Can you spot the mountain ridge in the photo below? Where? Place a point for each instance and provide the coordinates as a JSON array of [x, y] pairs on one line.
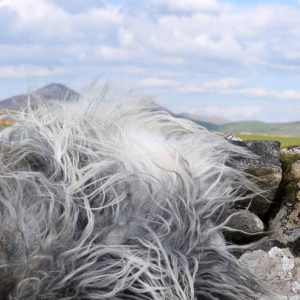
[[50, 92]]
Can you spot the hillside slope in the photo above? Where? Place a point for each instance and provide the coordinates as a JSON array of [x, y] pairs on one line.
[[53, 91], [291, 128]]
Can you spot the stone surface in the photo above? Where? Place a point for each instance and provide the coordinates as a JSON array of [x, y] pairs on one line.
[[295, 170], [284, 225], [278, 268], [232, 137], [293, 150], [248, 227], [265, 168]]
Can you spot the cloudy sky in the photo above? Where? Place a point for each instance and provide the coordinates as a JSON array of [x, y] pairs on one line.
[[236, 59]]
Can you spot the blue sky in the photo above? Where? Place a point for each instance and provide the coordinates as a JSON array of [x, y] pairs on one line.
[[236, 59]]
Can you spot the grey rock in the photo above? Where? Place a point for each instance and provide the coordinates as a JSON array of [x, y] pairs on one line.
[[284, 225], [233, 137], [245, 226], [265, 169], [278, 268], [293, 150], [295, 170], [285, 229]]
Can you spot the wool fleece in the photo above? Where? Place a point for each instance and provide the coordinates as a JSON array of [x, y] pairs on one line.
[[109, 199]]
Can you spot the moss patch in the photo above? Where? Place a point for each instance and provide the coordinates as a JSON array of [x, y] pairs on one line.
[[289, 183], [287, 190]]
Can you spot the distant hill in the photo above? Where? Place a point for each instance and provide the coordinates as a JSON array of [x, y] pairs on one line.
[[291, 128], [51, 92]]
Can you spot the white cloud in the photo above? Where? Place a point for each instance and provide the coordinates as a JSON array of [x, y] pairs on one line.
[[236, 87], [125, 36], [215, 86], [234, 35], [159, 44], [37, 15], [188, 5], [223, 83], [113, 54], [158, 82], [263, 93], [96, 22], [31, 12], [173, 60], [224, 47], [44, 19], [254, 36], [250, 92], [234, 112], [27, 71], [129, 69], [239, 112], [289, 95]]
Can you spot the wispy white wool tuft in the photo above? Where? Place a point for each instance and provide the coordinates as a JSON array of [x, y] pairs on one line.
[[117, 200]]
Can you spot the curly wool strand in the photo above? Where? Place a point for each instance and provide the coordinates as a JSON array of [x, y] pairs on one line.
[[108, 200]]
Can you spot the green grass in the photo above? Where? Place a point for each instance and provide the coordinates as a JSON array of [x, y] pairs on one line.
[[2, 126], [286, 141], [257, 127]]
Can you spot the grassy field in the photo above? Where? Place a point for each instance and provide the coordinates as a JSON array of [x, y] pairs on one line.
[[257, 127], [4, 122], [286, 141]]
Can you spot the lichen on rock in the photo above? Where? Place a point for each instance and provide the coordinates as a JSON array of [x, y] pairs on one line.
[[279, 268]]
